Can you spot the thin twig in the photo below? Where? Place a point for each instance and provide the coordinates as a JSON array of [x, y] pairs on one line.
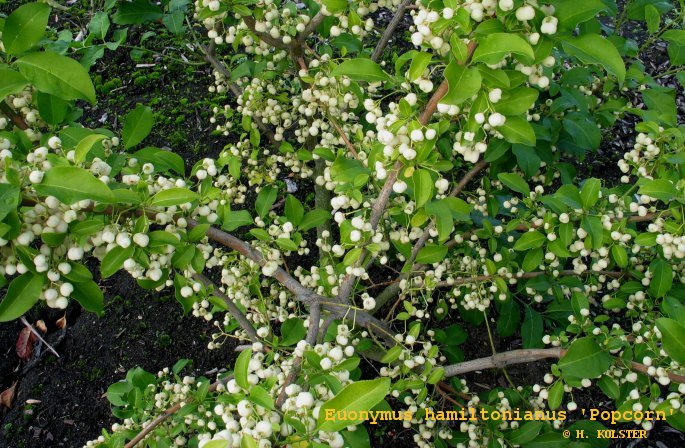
[[522, 356], [37, 334], [168, 413], [244, 323], [390, 29], [16, 118], [265, 37]]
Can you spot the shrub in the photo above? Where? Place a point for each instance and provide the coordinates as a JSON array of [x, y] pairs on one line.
[[442, 187]]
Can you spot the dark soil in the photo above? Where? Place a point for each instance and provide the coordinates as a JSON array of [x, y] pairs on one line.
[[68, 408], [66, 403]]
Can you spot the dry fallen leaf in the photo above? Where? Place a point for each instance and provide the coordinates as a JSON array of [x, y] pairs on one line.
[[41, 326], [25, 343], [61, 322], [7, 396]]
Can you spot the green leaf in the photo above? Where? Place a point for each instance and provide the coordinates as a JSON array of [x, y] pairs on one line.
[[265, 199], [314, 218], [247, 441], [242, 368], [525, 433], [22, 293], [618, 253], [114, 260], [358, 396], [572, 12], [9, 199], [514, 182], [183, 256], [593, 226], [532, 329], [136, 12], [662, 278], [71, 184], [57, 75], [463, 83], [173, 196], [286, 244], [137, 126], [99, 25], [493, 47], [418, 64], [516, 101], [431, 253], [85, 145], [585, 359], [52, 109], [527, 159], [12, 82], [361, 69], [583, 130], [335, 6], [509, 318], [261, 397], [89, 296], [518, 130], [530, 240], [609, 387], [174, 22], [595, 49], [555, 395], [589, 194], [235, 219], [673, 338], [294, 210], [292, 332], [660, 189], [653, 18], [25, 27], [423, 186], [676, 46]]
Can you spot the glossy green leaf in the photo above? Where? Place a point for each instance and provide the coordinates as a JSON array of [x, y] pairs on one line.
[[589, 194], [12, 82], [23, 292], [242, 368], [493, 47], [361, 69], [114, 260], [518, 130], [418, 65], [70, 184], [265, 199], [358, 396], [572, 12], [173, 196], [530, 240], [85, 145], [660, 189], [595, 49], [136, 12], [662, 278], [25, 27], [516, 101], [514, 182], [9, 199], [585, 359], [673, 338], [463, 83], [137, 126], [57, 75], [422, 183]]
